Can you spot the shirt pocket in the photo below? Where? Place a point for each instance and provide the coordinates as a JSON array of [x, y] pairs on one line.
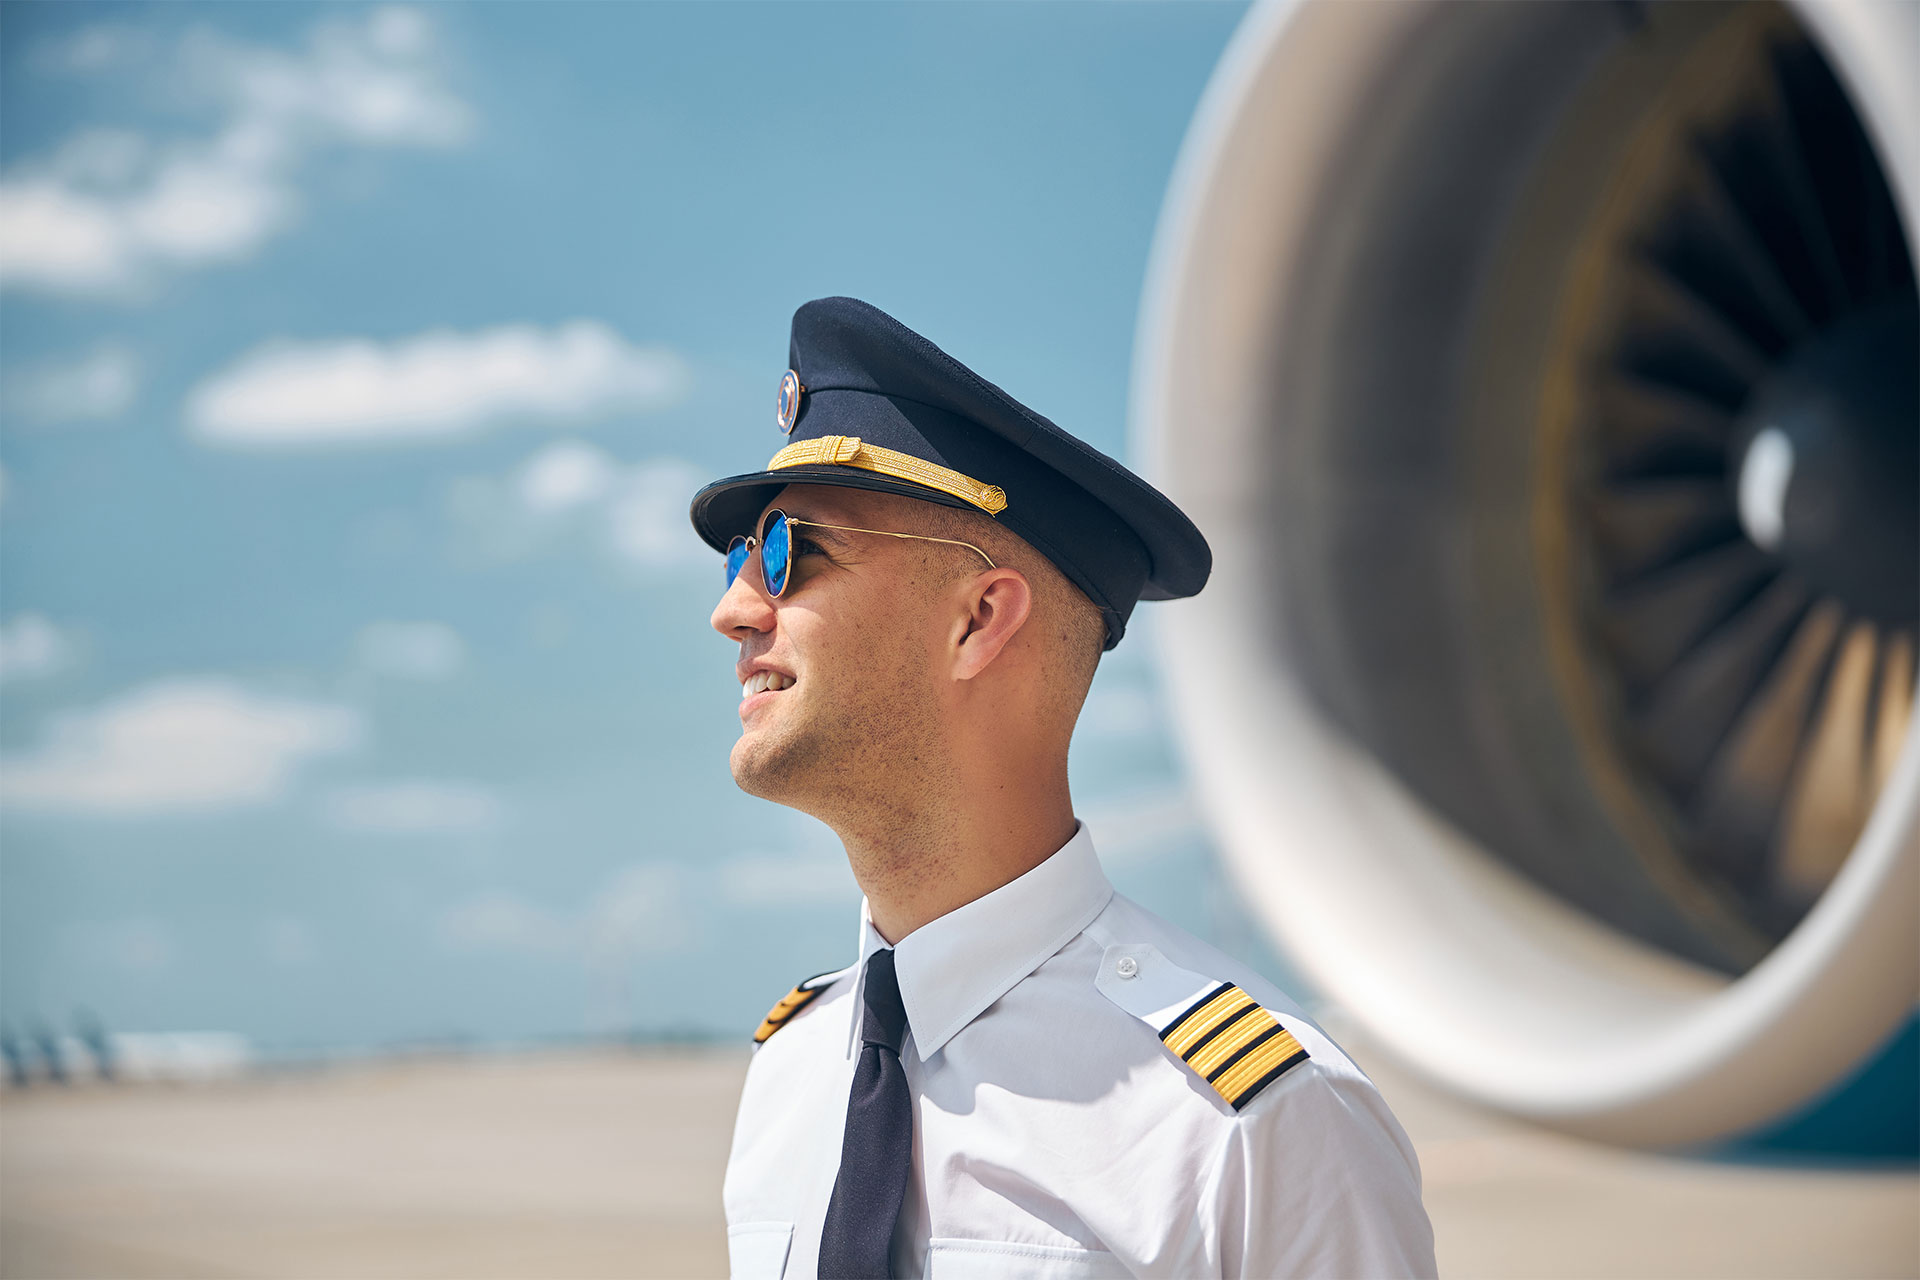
[[994, 1260], [758, 1250]]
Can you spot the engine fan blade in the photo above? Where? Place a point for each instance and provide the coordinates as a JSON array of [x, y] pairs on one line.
[[1894, 709], [1690, 710], [1736, 810], [1654, 427], [1689, 248], [1794, 100], [1828, 800], [1841, 170], [1653, 621], [1678, 305], [1642, 526], [1738, 233]]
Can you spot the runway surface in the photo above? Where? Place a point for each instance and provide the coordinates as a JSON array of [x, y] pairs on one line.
[[609, 1164]]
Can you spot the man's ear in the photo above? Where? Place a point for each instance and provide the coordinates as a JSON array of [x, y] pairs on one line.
[[998, 602]]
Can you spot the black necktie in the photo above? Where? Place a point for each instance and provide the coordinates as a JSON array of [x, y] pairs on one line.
[[878, 1143]]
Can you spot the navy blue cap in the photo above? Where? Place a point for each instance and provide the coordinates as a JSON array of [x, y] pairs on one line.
[[867, 403]]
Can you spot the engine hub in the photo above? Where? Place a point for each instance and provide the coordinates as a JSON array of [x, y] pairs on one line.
[[1827, 474]]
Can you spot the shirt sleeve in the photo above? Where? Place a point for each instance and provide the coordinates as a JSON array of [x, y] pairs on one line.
[[1316, 1178]]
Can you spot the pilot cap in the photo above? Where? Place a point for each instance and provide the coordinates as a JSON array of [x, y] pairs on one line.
[[867, 403]]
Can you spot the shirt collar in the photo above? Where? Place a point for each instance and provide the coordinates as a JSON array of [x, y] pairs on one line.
[[952, 968]]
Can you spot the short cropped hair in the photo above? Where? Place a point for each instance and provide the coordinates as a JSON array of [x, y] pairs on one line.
[[1076, 630]]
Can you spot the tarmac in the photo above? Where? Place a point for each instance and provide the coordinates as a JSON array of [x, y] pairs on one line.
[[609, 1163]]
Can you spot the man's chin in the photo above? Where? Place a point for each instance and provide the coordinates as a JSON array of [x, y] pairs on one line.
[[759, 765]]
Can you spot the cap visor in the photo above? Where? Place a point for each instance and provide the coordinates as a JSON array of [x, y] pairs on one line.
[[731, 507]]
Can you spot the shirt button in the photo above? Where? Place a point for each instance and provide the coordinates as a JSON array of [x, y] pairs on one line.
[[1126, 966]]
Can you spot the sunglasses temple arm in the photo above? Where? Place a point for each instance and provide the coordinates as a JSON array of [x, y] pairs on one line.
[[888, 533]]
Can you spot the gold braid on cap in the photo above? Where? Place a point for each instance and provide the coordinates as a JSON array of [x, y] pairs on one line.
[[848, 451]]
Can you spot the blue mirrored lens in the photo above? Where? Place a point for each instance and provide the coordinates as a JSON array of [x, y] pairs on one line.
[[776, 553], [737, 554]]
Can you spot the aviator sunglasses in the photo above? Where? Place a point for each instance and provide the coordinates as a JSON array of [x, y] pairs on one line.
[[775, 541]]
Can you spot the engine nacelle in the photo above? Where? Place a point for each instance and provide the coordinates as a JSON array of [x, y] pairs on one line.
[[1544, 377]]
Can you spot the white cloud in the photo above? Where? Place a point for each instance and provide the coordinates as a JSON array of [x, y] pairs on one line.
[[647, 515], [173, 746], [411, 650], [635, 512], [435, 385], [32, 646], [641, 908], [373, 82], [779, 880], [414, 806], [564, 476], [109, 213], [100, 384]]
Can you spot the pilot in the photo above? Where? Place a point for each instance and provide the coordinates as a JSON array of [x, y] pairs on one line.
[[1024, 1073]]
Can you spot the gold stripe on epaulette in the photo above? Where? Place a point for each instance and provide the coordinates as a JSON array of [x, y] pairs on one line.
[[791, 1003], [851, 451], [1260, 1068], [1213, 1009], [1237, 1035], [1233, 1044]]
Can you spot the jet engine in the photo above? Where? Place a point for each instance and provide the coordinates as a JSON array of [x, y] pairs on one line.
[[1544, 377]]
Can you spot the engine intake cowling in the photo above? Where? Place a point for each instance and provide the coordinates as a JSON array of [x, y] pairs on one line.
[[1544, 377]]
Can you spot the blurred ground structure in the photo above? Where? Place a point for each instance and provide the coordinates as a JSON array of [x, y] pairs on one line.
[[609, 1164]]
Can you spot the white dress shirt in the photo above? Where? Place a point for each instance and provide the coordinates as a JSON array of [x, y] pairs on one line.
[[1055, 1134]]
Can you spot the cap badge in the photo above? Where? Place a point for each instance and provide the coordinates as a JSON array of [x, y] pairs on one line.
[[789, 409]]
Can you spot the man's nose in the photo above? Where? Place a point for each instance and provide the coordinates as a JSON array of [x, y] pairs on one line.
[[745, 608]]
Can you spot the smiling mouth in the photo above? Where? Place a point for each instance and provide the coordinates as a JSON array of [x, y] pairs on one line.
[[764, 682]]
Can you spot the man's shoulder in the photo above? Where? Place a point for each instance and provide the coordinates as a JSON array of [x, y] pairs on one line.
[[1126, 921], [801, 998], [1216, 1018]]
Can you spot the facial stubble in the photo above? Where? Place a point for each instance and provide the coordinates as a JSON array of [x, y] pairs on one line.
[[844, 740]]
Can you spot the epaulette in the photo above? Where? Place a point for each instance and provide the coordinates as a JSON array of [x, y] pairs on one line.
[[1219, 1031], [793, 1002]]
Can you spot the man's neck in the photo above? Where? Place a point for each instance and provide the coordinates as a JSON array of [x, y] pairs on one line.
[[937, 850]]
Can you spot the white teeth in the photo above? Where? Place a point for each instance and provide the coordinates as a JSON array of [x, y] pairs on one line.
[[761, 681]]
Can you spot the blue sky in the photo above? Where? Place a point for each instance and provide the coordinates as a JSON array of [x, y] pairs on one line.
[[356, 366]]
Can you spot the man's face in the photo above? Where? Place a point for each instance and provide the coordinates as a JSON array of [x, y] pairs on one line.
[[855, 640]]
